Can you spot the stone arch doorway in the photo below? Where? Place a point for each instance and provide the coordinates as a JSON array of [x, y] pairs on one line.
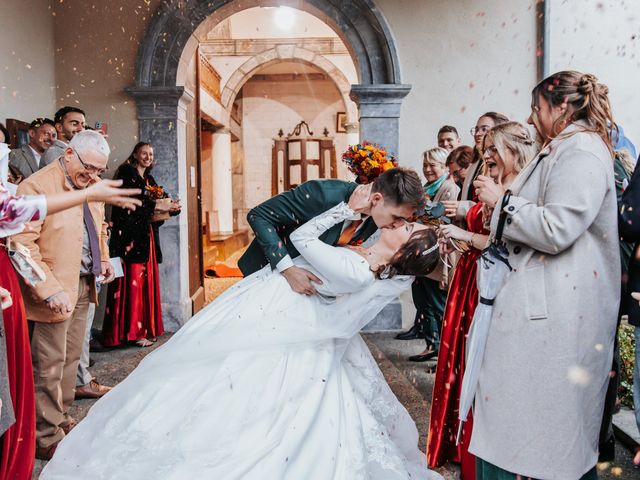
[[301, 55], [164, 111]]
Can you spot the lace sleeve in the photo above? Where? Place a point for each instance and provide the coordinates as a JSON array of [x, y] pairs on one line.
[[334, 264], [15, 211]]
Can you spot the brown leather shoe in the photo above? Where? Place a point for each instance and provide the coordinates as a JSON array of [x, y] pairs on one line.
[[46, 453], [91, 390], [66, 428]]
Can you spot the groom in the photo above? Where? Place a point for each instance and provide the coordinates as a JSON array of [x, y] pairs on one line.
[[393, 197]]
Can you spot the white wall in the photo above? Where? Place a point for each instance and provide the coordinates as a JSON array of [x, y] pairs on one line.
[[277, 22], [269, 106], [27, 67], [603, 38], [462, 58]]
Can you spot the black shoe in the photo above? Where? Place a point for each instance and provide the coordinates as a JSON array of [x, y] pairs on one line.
[[92, 362], [96, 346], [423, 357], [410, 334]]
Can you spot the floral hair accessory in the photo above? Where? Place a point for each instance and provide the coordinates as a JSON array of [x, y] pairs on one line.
[[367, 161]]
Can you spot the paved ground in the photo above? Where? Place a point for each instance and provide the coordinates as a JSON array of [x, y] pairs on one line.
[[411, 382]]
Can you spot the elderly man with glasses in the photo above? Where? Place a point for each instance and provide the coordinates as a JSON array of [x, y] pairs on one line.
[[71, 249]]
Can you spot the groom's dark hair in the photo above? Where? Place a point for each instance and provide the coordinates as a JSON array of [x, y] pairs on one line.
[[400, 186]]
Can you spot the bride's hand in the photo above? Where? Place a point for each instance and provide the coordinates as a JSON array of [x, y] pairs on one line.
[[359, 199], [449, 232]]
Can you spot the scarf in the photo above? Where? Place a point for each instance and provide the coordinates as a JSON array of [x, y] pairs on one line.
[[432, 188]]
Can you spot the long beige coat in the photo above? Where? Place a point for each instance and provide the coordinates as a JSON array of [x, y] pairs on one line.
[[56, 244], [545, 371]]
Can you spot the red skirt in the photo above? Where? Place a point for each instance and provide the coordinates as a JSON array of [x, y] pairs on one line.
[[133, 308], [458, 314], [19, 441]]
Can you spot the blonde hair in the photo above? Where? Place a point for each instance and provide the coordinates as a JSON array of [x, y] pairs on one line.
[[515, 137], [438, 154], [586, 99]]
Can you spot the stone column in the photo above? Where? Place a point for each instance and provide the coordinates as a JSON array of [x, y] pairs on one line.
[[162, 122], [379, 108], [222, 179]]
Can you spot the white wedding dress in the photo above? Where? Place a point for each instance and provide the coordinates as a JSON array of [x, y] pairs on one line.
[[263, 384]]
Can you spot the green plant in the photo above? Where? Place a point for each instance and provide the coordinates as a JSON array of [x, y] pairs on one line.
[[626, 345]]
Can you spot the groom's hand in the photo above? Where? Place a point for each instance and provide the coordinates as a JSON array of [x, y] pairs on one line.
[[301, 280]]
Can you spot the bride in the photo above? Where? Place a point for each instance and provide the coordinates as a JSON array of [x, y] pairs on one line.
[[299, 397]]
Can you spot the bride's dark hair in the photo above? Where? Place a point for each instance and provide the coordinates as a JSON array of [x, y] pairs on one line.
[[413, 258]]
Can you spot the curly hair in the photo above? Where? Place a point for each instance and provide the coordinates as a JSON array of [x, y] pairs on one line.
[[586, 99]]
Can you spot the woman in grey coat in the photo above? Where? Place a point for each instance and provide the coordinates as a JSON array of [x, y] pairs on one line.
[[544, 375]]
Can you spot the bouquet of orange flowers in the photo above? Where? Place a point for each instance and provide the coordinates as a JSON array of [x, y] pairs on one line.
[[162, 199], [367, 161], [156, 192]]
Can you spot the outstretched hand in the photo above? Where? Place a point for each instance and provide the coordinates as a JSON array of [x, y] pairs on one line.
[[301, 280], [107, 191]]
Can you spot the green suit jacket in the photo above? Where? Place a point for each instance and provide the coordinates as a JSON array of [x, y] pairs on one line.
[[273, 221]]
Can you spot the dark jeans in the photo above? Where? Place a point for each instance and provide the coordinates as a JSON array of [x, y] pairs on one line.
[[488, 471], [429, 300]]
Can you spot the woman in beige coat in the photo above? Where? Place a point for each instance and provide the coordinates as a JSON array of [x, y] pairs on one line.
[[545, 371]]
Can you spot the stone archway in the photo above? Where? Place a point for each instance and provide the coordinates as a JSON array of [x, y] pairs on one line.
[[163, 103], [288, 53]]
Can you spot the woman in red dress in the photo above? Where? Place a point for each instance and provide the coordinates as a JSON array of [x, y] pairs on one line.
[[134, 312], [507, 149], [461, 304], [18, 441]]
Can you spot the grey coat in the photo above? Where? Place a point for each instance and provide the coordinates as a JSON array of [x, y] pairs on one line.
[[544, 376], [54, 152], [24, 161]]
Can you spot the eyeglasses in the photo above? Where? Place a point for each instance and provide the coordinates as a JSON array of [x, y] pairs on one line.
[[481, 129], [90, 168], [491, 150]]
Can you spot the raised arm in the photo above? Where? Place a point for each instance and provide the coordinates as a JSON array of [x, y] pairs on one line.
[[339, 267], [288, 209]]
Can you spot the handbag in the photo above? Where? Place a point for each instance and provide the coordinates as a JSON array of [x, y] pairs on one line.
[[23, 263]]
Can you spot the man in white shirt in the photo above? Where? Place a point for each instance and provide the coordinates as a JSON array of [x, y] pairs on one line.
[[27, 159], [68, 121]]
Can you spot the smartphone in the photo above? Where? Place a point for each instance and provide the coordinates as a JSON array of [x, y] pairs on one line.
[[101, 127]]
